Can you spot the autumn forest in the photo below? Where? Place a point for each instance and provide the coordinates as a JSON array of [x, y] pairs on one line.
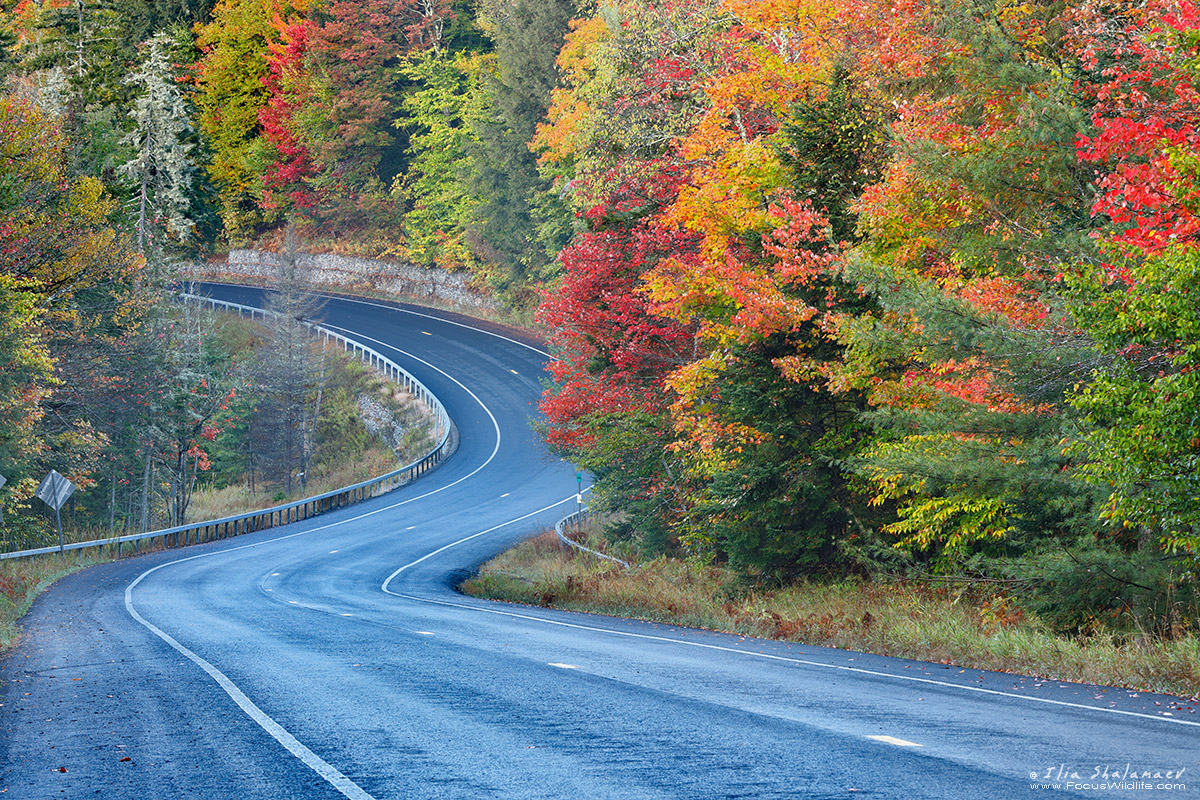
[[848, 287]]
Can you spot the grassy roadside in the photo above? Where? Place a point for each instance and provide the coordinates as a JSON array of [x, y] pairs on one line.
[[943, 624], [237, 499], [23, 579]]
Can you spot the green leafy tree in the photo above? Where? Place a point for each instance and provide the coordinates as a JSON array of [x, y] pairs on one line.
[[783, 504], [1143, 439], [25, 377], [436, 116], [231, 93], [972, 349], [515, 200], [69, 281]]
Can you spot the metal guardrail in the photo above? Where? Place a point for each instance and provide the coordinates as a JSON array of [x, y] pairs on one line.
[[575, 519], [368, 356], [211, 530]]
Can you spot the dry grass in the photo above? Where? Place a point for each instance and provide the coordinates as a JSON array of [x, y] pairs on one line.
[[21, 579], [911, 620], [237, 499]]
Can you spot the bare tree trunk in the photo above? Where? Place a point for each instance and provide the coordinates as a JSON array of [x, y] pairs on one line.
[[79, 40], [290, 372], [141, 226], [177, 481], [251, 460], [310, 426], [1143, 610], [145, 519]]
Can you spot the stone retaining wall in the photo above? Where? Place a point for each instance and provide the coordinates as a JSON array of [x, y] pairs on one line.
[[388, 277]]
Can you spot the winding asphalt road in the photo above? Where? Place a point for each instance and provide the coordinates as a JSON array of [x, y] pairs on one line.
[[332, 659]]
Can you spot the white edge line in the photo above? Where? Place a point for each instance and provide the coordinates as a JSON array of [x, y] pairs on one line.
[[768, 656], [310, 759], [374, 304], [718, 647], [325, 770], [895, 741], [698, 644], [389, 578], [447, 321], [805, 662]]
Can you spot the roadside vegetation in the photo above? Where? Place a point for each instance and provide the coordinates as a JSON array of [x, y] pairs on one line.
[[292, 418], [365, 426], [23, 579], [966, 625], [860, 290]]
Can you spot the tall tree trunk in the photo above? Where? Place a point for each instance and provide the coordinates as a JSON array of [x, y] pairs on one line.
[[1143, 609], [141, 225], [145, 517], [310, 427], [79, 40]]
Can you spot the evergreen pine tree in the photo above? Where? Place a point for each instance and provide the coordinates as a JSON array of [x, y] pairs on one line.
[[516, 199], [161, 168]]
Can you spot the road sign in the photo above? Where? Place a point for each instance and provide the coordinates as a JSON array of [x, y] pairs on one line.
[[3, 480], [54, 491]]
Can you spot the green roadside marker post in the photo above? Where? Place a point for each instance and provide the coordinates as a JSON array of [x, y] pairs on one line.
[[578, 501]]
